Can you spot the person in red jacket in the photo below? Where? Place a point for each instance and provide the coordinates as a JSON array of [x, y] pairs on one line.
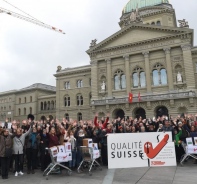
[[104, 125]]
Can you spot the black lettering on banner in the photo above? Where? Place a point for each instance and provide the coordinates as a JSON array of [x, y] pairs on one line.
[[129, 153], [113, 156], [135, 155]]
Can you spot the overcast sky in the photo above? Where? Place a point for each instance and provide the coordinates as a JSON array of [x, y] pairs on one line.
[[30, 54]]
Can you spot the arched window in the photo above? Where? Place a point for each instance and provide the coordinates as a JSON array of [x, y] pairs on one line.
[[153, 23], [79, 116], [19, 100], [79, 83], [67, 116], [123, 81], [52, 104], [24, 111], [19, 111], [30, 98], [45, 105], [41, 106], [139, 78], [67, 85], [155, 78], [10, 107], [159, 75], [119, 80], [25, 99], [158, 23], [48, 105], [135, 80], [79, 100], [142, 79], [67, 101], [116, 82], [30, 110], [163, 76]]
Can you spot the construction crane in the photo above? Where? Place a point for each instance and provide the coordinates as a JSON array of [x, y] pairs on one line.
[[32, 20]]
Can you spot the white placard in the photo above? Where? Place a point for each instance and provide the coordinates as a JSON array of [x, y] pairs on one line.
[[195, 141], [9, 125], [2, 124], [64, 157], [96, 154], [130, 150], [189, 141], [54, 151], [191, 149]]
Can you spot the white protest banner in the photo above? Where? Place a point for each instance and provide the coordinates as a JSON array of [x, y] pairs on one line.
[[141, 150], [191, 149]]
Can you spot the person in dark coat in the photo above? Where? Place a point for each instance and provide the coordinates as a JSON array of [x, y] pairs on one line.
[[44, 155], [5, 143]]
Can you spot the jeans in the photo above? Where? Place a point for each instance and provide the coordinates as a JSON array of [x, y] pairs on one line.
[[19, 160], [72, 162], [79, 157]]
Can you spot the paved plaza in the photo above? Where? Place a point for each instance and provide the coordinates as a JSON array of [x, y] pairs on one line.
[[162, 175]]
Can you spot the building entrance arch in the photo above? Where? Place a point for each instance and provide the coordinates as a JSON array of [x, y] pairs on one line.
[[140, 112], [118, 113], [161, 111]]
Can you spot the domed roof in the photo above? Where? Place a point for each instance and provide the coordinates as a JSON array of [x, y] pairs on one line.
[[133, 4]]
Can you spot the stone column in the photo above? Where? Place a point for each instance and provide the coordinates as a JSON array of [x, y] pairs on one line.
[[147, 72], [94, 79], [169, 68], [127, 73], [109, 77], [188, 65]]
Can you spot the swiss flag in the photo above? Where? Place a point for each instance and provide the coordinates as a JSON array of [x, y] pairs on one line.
[[139, 97], [130, 99]]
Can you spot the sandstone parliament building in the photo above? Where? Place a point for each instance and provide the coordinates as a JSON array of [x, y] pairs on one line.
[[152, 55]]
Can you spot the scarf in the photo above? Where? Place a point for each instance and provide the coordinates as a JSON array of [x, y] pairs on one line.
[[33, 138]]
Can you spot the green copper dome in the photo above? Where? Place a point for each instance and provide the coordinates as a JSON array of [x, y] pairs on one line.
[[133, 4]]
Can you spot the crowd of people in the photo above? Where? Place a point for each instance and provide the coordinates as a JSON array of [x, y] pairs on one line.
[[26, 142]]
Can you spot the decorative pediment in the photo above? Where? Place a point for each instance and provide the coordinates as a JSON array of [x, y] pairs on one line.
[[138, 33]]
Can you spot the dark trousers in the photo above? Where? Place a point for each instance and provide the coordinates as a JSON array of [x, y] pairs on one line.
[[104, 154], [78, 157], [44, 159], [19, 160], [5, 163], [178, 153], [31, 158]]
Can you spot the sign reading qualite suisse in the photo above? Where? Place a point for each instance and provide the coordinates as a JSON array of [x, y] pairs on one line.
[[141, 150]]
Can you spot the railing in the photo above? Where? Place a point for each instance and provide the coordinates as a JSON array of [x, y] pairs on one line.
[[145, 98]]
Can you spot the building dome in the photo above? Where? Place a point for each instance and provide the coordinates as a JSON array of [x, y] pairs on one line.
[[133, 4]]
